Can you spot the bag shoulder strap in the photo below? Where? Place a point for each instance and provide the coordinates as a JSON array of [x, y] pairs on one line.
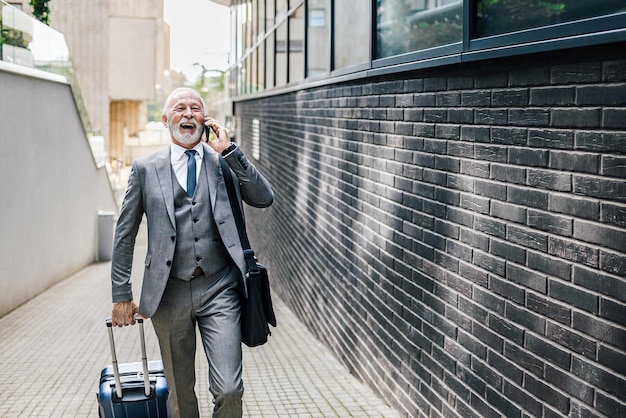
[[238, 215]]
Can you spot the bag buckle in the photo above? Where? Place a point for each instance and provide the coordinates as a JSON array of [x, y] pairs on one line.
[[253, 268]]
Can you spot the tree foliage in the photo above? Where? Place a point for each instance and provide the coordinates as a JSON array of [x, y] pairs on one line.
[[41, 10]]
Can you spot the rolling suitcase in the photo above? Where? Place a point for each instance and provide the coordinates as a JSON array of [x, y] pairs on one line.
[[132, 390]]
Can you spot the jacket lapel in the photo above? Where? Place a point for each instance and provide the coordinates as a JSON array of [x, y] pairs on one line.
[[214, 176], [163, 167]]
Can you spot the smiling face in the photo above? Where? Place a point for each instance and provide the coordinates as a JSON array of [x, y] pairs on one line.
[[184, 117]]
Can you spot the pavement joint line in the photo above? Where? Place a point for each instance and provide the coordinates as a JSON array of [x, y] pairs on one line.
[[55, 345]]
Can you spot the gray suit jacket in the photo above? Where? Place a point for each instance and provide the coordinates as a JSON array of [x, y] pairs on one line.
[[150, 192]]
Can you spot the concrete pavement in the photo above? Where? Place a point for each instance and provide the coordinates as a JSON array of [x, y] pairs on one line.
[[53, 348]]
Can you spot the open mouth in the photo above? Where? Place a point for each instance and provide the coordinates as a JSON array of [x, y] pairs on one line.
[[188, 126]]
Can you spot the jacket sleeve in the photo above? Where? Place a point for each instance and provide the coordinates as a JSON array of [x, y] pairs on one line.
[[131, 214], [256, 191]]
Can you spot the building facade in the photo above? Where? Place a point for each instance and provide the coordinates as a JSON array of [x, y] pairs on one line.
[[450, 213], [120, 51]]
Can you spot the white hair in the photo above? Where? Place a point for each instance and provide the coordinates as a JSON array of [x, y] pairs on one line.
[[176, 92]]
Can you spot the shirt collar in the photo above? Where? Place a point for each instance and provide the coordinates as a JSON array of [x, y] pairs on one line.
[[178, 152]]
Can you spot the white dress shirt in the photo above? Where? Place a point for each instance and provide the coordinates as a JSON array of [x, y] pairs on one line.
[[179, 162]]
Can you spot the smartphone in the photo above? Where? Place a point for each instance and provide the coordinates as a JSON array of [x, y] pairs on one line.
[[207, 133]]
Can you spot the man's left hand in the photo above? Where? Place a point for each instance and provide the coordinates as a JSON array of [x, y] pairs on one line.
[[221, 141]]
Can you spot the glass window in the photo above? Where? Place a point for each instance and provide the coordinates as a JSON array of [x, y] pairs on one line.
[[249, 26], [254, 18], [281, 9], [261, 48], [238, 44], [269, 14], [494, 17], [238, 47], [339, 37], [352, 36], [254, 70], [281, 54], [296, 45], [413, 25], [248, 74], [261, 66], [261, 16], [270, 44], [318, 37], [270, 61], [317, 17]]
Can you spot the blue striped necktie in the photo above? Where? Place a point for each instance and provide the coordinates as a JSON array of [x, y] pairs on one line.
[[191, 171]]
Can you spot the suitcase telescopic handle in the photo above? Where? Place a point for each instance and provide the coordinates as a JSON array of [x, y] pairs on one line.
[[144, 358]]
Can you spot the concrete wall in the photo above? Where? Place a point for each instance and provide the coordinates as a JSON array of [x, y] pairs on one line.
[[51, 190], [457, 236]]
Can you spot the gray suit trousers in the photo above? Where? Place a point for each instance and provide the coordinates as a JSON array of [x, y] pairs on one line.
[[211, 302]]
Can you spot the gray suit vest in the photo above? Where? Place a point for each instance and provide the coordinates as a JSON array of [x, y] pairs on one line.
[[198, 242]]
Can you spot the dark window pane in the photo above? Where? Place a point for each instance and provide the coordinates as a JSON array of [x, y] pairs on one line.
[[494, 17], [413, 25]]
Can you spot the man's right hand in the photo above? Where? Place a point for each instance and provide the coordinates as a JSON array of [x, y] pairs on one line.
[[123, 313]]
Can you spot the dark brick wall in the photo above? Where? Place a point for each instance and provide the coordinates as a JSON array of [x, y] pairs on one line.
[[458, 236]]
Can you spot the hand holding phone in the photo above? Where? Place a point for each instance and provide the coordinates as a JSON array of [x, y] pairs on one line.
[[218, 139]]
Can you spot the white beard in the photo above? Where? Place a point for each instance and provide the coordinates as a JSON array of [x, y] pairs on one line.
[[186, 139]]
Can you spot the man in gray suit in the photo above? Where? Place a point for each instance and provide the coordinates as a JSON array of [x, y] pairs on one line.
[[194, 264]]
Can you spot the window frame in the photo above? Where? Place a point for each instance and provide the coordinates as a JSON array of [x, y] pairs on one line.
[[579, 33]]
